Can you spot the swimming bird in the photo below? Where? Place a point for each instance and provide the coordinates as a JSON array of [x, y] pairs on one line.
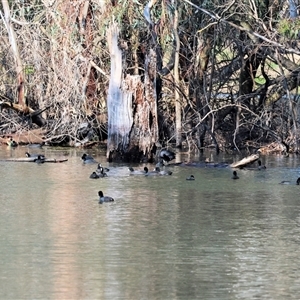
[[167, 155], [137, 172], [256, 168], [100, 172], [103, 198], [235, 176], [87, 158], [39, 159], [104, 169], [94, 175], [27, 154], [260, 167], [162, 172], [192, 177], [150, 173]]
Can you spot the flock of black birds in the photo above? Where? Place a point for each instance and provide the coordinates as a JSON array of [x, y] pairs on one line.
[[261, 167], [99, 173], [165, 156]]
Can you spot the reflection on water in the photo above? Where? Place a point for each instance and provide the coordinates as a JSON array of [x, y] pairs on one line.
[[162, 238]]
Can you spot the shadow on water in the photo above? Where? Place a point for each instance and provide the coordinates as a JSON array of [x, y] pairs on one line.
[[162, 237]]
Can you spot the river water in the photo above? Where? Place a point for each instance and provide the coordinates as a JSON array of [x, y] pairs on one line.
[[162, 237]]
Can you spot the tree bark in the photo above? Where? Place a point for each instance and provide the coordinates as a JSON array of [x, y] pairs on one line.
[[147, 107], [118, 124], [132, 107], [176, 80]]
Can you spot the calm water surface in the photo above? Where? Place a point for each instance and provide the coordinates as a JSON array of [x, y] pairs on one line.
[[162, 238]]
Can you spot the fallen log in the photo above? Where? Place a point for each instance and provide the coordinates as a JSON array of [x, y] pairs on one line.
[[32, 159], [245, 161], [34, 116]]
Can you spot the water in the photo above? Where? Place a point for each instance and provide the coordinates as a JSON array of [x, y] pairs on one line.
[[162, 238]]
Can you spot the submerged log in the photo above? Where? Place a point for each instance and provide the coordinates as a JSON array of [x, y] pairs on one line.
[[32, 159], [245, 161]]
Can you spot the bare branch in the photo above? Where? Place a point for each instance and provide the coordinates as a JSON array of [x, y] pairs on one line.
[[222, 20]]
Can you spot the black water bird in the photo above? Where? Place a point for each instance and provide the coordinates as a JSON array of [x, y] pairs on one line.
[[103, 198], [39, 159], [234, 175], [27, 154], [260, 166], [94, 175], [137, 172], [192, 177], [87, 159], [167, 155], [104, 169], [100, 172], [150, 173], [162, 172], [255, 168]]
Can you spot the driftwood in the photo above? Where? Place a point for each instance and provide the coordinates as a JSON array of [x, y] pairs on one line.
[[35, 136], [245, 161], [32, 159], [273, 148]]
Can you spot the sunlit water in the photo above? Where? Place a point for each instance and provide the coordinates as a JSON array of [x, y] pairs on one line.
[[162, 238]]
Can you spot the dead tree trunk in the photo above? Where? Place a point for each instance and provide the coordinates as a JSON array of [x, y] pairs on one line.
[[132, 108], [176, 81], [117, 106], [145, 133]]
